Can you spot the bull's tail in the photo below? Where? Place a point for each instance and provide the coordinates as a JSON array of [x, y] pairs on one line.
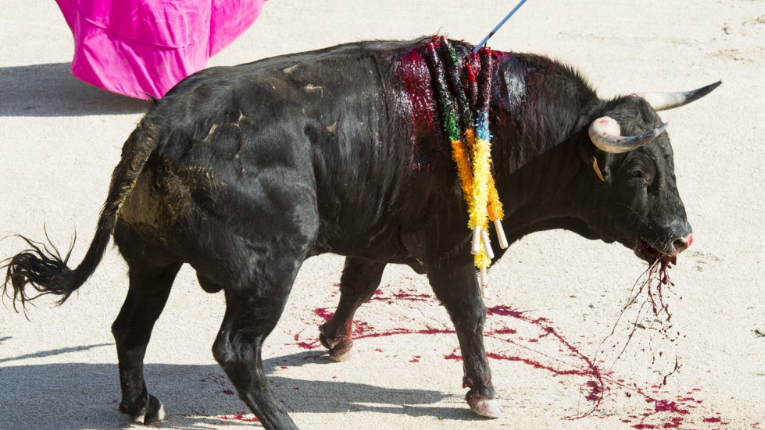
[[44, 268]]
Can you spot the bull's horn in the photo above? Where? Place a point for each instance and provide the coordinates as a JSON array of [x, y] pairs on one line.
[[664, 101], [605, 133]]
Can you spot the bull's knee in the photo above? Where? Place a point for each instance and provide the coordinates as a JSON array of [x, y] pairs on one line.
[[222, 351], [241, 363], [120, 330], [237, 359]]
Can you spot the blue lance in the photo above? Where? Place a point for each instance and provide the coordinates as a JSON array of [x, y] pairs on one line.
[[501, 23]]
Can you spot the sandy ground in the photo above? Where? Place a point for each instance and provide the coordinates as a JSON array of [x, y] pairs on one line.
[[60, 138]]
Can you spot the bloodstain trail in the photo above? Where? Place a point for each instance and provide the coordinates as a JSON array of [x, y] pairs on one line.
[[517, 336], [595, 386]]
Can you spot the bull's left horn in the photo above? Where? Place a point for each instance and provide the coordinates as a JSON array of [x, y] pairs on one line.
[[664, 101], [605, 133]]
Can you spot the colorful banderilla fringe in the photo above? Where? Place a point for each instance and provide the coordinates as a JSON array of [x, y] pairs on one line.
[[474, 143]]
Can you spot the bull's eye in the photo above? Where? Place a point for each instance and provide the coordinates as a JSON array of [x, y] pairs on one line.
[[639, 178]]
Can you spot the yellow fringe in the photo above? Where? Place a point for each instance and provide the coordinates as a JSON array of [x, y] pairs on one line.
[[495, 206], [478, 187], [481, 261], [463, 169], [481, 173]]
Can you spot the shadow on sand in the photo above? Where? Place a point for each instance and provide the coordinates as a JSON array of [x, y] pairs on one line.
[[83, 396], [51, 352], [50, 90]]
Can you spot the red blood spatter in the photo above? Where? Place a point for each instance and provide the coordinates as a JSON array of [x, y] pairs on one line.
[[715, 420], [324, 313], [667, 406], [505, 311], [595, 386], [662, 413], [401, 295], [453, 356], [596, 391], [398, 331], [360, 328], [228, 392], [308, 345], [666, 413], [405, 295], [654, 281], [240, 417], [645, 426]]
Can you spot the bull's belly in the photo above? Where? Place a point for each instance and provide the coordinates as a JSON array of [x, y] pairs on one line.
[[391, 242], [163, 216]]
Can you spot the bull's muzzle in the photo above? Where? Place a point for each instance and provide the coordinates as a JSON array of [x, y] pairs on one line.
[[682, 243], [681, 237]]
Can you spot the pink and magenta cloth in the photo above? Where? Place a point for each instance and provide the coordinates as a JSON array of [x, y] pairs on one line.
[[142, 48]]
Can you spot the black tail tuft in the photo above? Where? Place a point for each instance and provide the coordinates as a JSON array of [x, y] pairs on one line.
[[44, 269], [41, 267]]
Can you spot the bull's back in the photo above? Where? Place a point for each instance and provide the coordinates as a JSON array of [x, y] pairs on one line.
[[316, 130]]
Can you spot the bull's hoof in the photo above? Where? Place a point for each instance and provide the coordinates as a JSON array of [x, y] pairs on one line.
[[340, 349], [488, 408], [153, 412], [342, 354]]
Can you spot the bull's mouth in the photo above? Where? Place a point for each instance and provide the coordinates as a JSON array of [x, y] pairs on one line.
[[645, 251]]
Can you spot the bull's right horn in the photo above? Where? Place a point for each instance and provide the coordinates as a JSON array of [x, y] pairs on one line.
[[664, 101], [605, 133]]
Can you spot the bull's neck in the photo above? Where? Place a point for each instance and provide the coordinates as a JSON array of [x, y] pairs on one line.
[[538, 138], [545, 186], [539, 111]]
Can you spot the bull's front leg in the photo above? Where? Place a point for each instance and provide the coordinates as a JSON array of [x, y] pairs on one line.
[[359, 281], [456, 286]]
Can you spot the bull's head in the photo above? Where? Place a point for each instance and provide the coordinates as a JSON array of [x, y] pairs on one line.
[[646, 211]]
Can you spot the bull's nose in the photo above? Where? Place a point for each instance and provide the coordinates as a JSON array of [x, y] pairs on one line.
[[682, 243]]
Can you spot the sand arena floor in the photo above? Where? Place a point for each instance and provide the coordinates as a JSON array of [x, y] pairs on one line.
[[555, 297]]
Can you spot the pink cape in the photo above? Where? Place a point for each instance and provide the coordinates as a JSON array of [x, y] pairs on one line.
[[142, 48]]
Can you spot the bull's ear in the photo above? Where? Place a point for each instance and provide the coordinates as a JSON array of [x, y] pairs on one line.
[[596, 168], [598, 162]]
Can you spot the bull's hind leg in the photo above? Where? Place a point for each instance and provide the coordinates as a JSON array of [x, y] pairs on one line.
[[252, 310], [359, 281], [149, 289], [457, 288]]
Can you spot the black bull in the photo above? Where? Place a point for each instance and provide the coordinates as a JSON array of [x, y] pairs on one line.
[[244, 172]]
